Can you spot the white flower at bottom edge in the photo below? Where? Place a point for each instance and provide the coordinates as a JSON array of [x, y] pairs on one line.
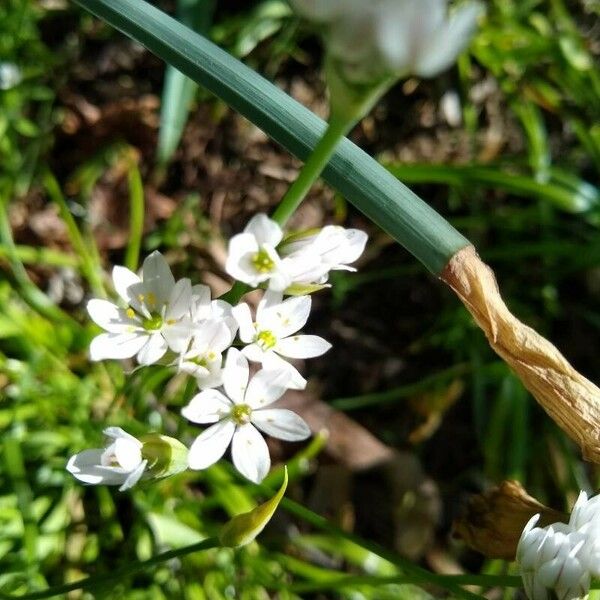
[[251, 255], [238, 415], [553, 560], [273, 334], [120, 463], [157, 317]]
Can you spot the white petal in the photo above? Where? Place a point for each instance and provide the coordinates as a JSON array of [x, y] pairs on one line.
[[269, 300], [302, 346], [242, 247], [209, 406], [448, 42], [255, 353], [116, 345], [243, 316], [158, 278], [116, 432], [128, 453], [250, 453], [210, 445], [134, 476], [281, 423], [272, 361], [180, 300], [110, 317], [201, 305], [123, 280], [265, 230], [178, 334], [86, 467], [291, 315], [212, 335], [266, 387], [235, 375], [153, 350]]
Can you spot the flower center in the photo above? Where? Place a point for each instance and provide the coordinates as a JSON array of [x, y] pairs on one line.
[[153, 323], [265, 340], [240, 414], [262, 262]]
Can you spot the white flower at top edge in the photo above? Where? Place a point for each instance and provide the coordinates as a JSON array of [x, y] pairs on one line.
[[157, 317], [272, 336], [120, 463], [238, 415], [252, 258], [372, 40], [335, 248]]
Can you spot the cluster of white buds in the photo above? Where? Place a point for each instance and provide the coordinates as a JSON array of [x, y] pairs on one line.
[[177, 324], [559, 561]]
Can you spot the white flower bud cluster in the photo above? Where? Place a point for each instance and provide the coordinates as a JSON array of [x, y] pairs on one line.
[[559, 561], [174, 323]]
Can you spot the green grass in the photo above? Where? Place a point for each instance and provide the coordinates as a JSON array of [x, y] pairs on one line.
[[533, 213]]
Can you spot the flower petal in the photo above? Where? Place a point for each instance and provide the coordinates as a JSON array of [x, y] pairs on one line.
[[302, 346], [127, 453], [110, 317], [178, 334], [289, 316], [243, 316], [116, 345], [250, 453], [266, 387], [274, 362], [209, 406], [86, 467], [157, 278], [240, 250], [116, 432], [123, 280], [180, 300], [281, 423], [235, 375], [134, 476], [201, 304], [210, 445], [264, 230], [153, 350]]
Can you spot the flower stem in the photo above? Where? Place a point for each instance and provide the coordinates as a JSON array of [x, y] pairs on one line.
[[136, 217], [313, 167]]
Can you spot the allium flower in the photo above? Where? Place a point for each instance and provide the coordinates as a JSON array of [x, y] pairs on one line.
[[157, 316], [272, 336], [369, 41], [252, 257], [238, 415], [120, 463], [334, 248], [553, 560]]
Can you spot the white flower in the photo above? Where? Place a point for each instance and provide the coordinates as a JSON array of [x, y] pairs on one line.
[[120, 463], [553, 560], [203, 309], [236, 416], [252, 258], [157, 317], [273, 334], [204, 357], [372, 40], [334, 248]]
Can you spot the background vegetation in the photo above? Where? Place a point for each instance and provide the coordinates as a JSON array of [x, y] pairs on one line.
[[420, 412]]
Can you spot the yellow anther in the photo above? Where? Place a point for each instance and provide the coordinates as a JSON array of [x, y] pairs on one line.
[[130, 313]]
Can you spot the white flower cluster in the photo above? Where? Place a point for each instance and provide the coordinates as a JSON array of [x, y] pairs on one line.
[[180, 325], [381, 38], [559, 561]]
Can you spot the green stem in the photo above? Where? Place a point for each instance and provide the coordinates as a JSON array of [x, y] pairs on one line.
[[313, 167], [126, 571], [136, 217], [41, 256]]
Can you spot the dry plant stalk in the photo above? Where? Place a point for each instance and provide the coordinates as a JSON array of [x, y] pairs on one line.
[[569, 398], [492, 522]]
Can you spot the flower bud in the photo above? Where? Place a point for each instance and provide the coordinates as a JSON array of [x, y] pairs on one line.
[[244, 528], [165, 455]]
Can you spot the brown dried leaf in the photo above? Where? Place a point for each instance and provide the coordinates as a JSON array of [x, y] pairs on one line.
[[569, 398], [492, 522]]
